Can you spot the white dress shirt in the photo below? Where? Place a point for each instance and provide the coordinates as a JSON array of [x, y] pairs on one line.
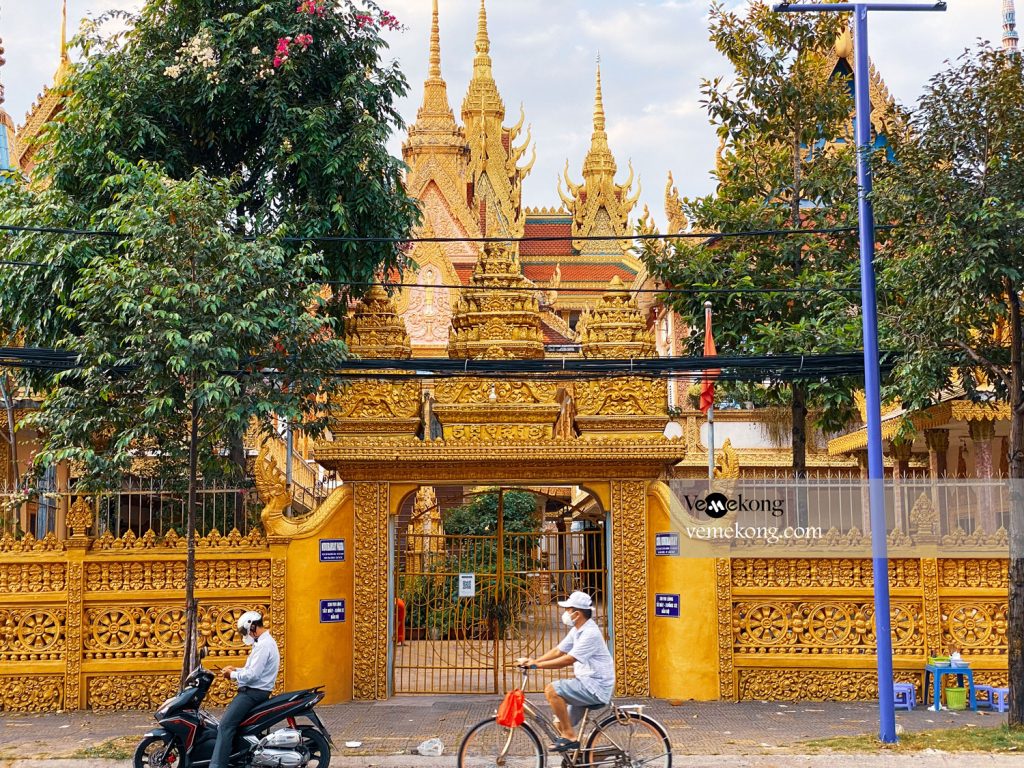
[[260, 670]]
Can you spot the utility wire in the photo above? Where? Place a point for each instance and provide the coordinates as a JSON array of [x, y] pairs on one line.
[[525, 239], [744, 368]]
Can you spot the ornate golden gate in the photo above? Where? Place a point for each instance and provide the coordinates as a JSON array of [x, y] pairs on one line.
[[471, 605]]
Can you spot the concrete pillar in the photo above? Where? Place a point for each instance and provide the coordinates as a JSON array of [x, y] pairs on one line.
[[865, 493], [938, 450], [900, 450], [982, 431]]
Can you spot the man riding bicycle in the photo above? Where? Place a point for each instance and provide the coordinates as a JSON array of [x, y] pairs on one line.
[[585, 649]]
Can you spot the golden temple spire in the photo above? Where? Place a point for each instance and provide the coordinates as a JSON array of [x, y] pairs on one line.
[[599, 161], [64, 31], [434, 72], [482, 60], [599, 191], [435, 131], [494, 156], [482, 97]]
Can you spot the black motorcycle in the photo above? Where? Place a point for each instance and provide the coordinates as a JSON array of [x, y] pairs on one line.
[[188, 733]]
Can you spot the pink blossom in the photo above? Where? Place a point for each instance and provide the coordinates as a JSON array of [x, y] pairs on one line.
[[363, 20], [305, 40], [387, 19], [312, 7]]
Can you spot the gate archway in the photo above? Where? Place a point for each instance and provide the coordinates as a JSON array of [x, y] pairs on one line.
[[472, 598]]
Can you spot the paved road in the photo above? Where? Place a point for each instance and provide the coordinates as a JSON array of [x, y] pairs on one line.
[[396, 726], [918, 760]]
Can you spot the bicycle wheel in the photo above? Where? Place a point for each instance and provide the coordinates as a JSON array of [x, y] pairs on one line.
[[633, 741], [486, 742]]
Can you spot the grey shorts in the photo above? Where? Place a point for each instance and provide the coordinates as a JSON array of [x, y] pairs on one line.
[[577, 697]]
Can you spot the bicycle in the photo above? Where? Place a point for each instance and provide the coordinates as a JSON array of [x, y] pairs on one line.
[[610, 736]]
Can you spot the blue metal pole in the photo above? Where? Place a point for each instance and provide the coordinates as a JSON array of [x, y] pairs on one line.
[[869, 311], [872, 381]]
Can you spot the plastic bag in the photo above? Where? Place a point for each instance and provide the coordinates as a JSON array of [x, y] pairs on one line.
[[510, 713], [431, 748]]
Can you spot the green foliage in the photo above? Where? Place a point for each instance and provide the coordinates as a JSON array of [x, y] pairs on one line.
[[480, 516], [775, 172], [954, 269], [192, 85], [179, 318]]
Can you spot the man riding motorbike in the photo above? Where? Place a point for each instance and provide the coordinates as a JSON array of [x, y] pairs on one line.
[[255, 682]]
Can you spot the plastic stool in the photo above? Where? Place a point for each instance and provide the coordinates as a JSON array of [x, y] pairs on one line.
[[904, 695], [995, 697]]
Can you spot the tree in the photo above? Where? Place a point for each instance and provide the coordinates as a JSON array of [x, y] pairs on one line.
[[779, 168], [955, 267], [288, 98], [479, 517], [186, 336]]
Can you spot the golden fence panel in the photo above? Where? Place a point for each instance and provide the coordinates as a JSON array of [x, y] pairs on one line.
[[803, 628], [100, 625]]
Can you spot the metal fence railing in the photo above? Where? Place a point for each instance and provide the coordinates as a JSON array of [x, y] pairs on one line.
[[139, 505]]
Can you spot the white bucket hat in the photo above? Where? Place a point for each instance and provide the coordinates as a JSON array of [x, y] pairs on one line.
[[579, 600]]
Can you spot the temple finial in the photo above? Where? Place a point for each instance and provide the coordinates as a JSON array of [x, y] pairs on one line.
[[599, 121], [435, 45], [482, 61], [64, 32], [1010, 35]]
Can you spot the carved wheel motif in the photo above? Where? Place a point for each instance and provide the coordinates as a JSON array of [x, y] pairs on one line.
[[830, 624], [114, 629], [38, 631], [169, 628], [970, 625], [766, 625]]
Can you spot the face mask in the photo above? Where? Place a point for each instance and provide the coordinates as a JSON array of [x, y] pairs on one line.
[[567, 619]]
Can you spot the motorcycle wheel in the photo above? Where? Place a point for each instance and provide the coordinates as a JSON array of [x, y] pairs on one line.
[[319, 748], [153, 752]]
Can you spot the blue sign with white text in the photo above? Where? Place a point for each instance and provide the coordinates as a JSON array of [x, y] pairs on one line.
[[332, 550], [332, 611], [666, 605], [666, 544]]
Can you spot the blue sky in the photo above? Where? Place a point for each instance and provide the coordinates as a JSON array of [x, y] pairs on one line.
[[654, 54]]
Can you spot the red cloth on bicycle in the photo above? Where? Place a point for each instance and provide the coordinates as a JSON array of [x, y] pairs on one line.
[[510, 713]]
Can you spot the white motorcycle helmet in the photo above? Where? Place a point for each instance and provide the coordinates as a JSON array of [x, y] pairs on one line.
[[245, 622]]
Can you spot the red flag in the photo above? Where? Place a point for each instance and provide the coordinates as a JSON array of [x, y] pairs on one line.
[[707, 388]]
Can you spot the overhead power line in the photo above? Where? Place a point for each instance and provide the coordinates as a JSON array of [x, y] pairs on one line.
[[740, 368], [369, 239]]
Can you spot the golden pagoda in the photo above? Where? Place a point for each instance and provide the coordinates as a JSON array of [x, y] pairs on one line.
[[8, 139], [497, 316], [47, 105]]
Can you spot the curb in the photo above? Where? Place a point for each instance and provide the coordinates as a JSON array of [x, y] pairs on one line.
[[925, 759]]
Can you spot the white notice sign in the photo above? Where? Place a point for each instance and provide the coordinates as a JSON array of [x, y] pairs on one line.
[[467, 585]]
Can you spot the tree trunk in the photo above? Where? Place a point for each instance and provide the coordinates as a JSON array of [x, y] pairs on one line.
[[1015, 633], [799, 407], [191, 608]]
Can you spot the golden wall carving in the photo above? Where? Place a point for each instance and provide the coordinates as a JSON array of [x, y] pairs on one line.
[[98, 625], [146, 692], [629, 587], [804, 628], [370, 597], [723, 593], [31, 693], [32, 578]]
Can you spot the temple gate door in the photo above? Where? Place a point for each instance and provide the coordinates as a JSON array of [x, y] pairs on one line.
[[474, 604]]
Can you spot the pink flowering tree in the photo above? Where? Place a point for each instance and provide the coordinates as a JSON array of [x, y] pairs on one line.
[[293, 98]]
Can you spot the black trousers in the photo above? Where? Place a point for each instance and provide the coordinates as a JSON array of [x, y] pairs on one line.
[[245, 701]]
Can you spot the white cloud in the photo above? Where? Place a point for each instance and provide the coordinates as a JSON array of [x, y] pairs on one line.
[[654, 54]]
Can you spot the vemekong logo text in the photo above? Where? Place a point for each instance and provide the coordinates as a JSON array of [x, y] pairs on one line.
[[718, 505]]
